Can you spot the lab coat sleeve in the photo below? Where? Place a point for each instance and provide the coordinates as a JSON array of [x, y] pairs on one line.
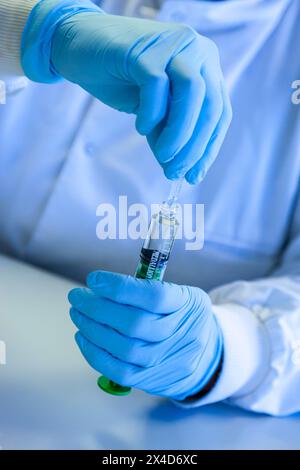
[[13, 17], [260, 321]]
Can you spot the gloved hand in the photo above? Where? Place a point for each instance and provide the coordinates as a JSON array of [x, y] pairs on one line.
[[152, 335], [166, 74]]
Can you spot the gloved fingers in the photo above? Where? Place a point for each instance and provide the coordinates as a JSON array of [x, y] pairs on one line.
[[153, 296], [122, 347], [154, 135], [210, 114], [153, 100], [108, 365], [163, 379], [186, 99], [197, 173], [127, 320], [149, 67], [132, 350]]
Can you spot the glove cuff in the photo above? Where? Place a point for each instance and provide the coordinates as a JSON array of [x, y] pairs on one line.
[[37, 36], [209, 385]]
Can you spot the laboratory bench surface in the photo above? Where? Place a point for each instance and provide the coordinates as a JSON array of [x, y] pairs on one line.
[[49, 398]]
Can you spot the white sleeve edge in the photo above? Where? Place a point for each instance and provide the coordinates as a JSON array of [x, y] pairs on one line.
[[13, 17], [247, 352]]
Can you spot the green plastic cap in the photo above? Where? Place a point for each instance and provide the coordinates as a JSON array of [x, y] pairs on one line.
[[111, 387]]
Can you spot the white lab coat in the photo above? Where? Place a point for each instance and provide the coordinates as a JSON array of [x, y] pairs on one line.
[[62, 153]]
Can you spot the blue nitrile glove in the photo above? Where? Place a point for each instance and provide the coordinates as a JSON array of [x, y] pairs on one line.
[[166, 74], [152, 335]]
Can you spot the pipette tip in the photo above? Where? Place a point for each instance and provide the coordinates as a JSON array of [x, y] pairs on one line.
[[174, 192]]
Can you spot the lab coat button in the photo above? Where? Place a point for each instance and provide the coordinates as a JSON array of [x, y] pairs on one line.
[[264, 312], [90, 149], [296, 357]]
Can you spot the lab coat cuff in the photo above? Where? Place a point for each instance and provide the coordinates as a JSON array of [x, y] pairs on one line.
[[14, 15], [38, 33], [246, 355]]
